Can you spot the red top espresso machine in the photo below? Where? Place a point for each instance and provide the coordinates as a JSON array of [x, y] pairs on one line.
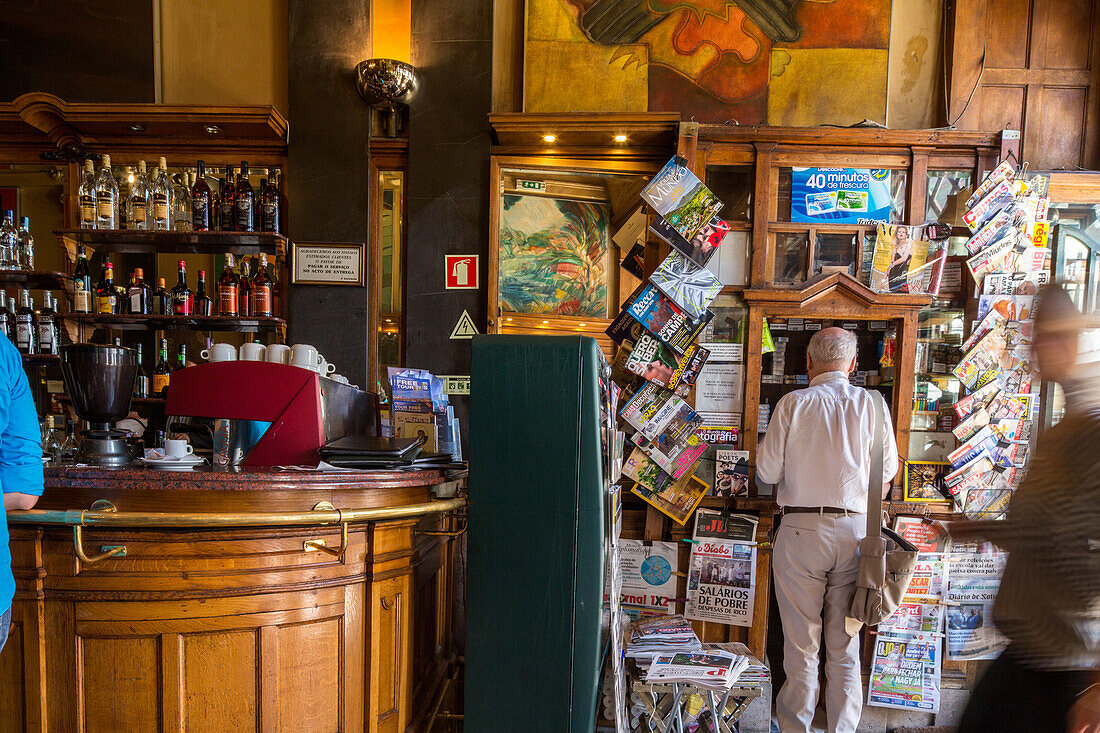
[[267, 414]]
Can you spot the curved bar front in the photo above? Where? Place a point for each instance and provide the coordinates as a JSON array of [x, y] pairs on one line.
[[239, 601]]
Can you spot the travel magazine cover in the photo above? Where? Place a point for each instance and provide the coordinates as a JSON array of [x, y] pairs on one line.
[[664, 319], [690, 286], [677, 500], [680, 198]]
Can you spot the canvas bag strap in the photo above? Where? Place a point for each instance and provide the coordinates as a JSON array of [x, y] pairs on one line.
[[874, 481]]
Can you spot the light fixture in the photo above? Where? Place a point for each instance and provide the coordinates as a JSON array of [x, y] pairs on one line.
[[387, 85], [582, 325], [545, 322], [211, 129], [137, 127], [620, 138], [508, 319], [549, 138]]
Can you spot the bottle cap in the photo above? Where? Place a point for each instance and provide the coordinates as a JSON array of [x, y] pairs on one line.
[[160, 281], [106, 161], [139, 273], [181, 264], [202, 274]]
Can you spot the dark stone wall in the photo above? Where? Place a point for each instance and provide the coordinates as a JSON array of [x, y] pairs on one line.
[[327, 171], [448, 196], [81, 51]]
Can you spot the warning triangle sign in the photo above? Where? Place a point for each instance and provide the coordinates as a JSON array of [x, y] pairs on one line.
[[465, 328]]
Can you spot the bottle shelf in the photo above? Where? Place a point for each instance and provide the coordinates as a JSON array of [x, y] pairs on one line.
[[64, 398], [126, 241], [41, 359], [196, 323], [34, 279]]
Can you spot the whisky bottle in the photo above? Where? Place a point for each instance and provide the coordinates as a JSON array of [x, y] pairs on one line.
[[26, 334], [49, 335], [162, 198], [227, 203], [246, 215], [201, 202], [106, 197], [82, 282], [86, 193], [228, 290], [269, 205], [261, 290], [162, 372]]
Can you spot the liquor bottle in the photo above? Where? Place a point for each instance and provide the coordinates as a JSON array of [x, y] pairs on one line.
[[201, 201], [82, 282], [182, 217], [125, 182], [269, 205], [162, 299], [49, 334], [227, 203], [162, 198], [228, 290], [182, 297], [141, 383], [106, 297], [106, 197], [204, 306], [138, 203], [86, 194], [244, 292], [181, 357], [9, 241], [139, 295], [26, 335], [162, 372], [7, 324], [246, 214], [261, 290], [26, 244]]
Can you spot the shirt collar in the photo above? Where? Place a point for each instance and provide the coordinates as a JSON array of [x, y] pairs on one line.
[[835, 376]]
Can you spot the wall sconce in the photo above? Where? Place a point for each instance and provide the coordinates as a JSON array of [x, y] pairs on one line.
[[387, 85]]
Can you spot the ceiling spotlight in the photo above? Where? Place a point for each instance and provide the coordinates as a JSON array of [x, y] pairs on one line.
[[211, 129], [137, 128], [620, 138], [549, 138], [545, 322], [582, 325]]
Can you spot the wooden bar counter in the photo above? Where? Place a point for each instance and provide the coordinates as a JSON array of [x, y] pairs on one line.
[[235, 605]]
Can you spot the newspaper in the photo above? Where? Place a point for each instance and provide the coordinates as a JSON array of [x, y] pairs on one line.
[[711, 668], [722, 574], [906, 674], [971, 591], [648, 584]]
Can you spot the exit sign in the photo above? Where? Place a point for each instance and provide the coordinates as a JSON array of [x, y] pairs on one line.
[[530, 185], [455, 384]]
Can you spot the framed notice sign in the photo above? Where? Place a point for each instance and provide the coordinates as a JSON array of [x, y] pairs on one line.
[[327, 263]]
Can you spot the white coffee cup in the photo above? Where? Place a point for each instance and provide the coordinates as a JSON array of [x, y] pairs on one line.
[[220, 352], [177, 448], [252, 351], [326, 368], [277, 353], [305, 356]]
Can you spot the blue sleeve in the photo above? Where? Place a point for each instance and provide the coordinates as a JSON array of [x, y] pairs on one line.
[[21, 439]]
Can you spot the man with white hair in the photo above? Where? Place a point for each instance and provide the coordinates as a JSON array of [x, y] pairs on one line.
[[817, 452]]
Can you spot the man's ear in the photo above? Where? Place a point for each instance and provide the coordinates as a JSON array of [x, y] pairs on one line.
[[852, 366], [809, 362]]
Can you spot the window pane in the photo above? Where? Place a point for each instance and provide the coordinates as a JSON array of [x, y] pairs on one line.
[[786, 182], [390, 281], [946, 196], [733, 185], [898, 191], [791, 249], [730, 263], [835, 249]]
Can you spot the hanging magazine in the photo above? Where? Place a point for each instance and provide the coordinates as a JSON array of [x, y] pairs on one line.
[[664, 319], [650, 359], [690, 286], [677, 500], [701, 247], [722, 575], [902, 262], [681, 198]]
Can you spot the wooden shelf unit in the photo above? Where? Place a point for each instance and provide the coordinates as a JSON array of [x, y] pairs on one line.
[[34, 279], [126, 241], [126, 322]]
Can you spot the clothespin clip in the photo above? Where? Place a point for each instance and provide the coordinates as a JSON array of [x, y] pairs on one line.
[[690, 542]]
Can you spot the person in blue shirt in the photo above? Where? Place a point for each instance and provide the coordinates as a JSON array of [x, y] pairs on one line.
[[20, 462]]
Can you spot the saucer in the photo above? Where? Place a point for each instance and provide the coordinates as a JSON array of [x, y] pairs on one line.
[[188, 460]]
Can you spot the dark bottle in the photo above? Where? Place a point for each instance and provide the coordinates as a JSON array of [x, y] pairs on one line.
[[204, 306], [182, 297], [82, 283], [181, 357], [162, 372], [11, 319], [227, 203], [244, 292], [201, 201], [49, 334], [141, 383], [26, 334], [246, 214], [162, 299], [269, 205], [7, 323], [261, 290], [106, 297], [140, 295], [228, 290]]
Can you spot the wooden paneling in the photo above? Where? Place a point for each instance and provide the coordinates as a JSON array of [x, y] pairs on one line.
[[228, 700], [11, 668], [309, 666], [120, 685], [1002, 108], [1067, 104]]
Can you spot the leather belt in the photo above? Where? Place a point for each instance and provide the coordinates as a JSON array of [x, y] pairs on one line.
[[819, 510]]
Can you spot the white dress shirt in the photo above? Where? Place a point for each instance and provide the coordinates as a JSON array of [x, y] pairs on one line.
[[817, 450]]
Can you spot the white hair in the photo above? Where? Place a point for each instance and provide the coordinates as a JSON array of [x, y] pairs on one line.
[[832, 348]]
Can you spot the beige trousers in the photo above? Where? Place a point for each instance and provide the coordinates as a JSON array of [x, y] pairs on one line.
[[814, 564]]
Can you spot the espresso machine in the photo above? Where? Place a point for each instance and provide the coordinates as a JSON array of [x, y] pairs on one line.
[[100, 382]]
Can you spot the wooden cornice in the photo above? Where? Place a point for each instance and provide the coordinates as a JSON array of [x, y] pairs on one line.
[[850, 136], [595, 130], [832, 287]]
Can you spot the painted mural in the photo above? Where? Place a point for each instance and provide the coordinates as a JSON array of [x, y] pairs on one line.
[[553, 256], [780, 62]]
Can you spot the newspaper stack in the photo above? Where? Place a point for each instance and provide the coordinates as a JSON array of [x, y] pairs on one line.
[[661, 635], [1009, 256], [711, 668]]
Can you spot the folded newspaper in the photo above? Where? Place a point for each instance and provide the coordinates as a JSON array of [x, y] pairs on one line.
[[709, 668]]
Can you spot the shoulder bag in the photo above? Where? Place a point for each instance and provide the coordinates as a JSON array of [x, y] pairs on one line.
[[886, 560]]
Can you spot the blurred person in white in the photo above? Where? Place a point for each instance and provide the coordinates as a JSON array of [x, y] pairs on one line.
[[817, 452], [1048, 605]]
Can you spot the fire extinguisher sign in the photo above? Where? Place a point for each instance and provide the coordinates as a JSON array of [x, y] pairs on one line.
[[461, 272]]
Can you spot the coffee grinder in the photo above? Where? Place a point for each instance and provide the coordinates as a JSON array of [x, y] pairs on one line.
[[100, 381]]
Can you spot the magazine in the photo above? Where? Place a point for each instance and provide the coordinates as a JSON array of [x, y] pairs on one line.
[[701, 247], [906, 674], [983, 210], [983, 358], [993, 258], [641, 469], [677, 500], [676, 458], [648, 576], [1012, 307], [1014, 283], [731, 473], [991, 231], [927, 535], [924, 481], [722, 575], [680, 198], [664, 319], [661, 635], [901, 264], [1003, 172], [650, 359], [690, 286]]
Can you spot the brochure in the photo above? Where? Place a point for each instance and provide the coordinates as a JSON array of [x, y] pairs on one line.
[[690, 286], [722, 574], [680, 198]]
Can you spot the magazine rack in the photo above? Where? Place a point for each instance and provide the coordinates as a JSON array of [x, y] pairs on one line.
[[665, 704]]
